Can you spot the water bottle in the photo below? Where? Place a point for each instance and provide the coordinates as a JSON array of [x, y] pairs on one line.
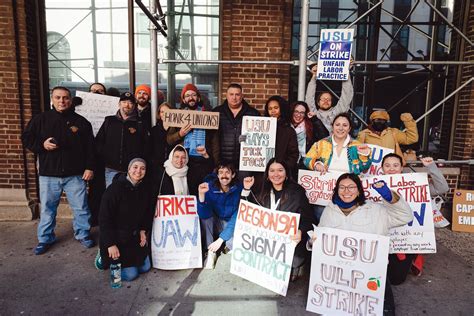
[[115, 274]]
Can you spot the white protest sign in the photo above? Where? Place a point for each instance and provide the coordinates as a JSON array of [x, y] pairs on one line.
[[95, 107], [176, 236], [378, 152], [335, 54], [348, 273], [263, 251], [319, 187], [417, 236], [259, 145]]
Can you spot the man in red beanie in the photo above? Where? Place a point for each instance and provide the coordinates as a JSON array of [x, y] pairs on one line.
[[202, 145], [143, 95]]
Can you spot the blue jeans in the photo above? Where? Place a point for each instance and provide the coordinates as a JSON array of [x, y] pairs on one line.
[[208, 225], [131, 273], [51, 189], [109, 176]]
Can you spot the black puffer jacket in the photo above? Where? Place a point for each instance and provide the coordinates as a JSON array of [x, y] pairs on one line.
[[73, 134], [124, 211], [119, 141], [230, 128]]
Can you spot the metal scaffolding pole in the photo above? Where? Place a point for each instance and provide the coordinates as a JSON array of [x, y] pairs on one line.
[[303, 47], [154, 65], [296, 62], [171, 83], [131, 47]]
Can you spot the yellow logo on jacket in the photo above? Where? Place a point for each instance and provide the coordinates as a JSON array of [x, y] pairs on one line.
[[132, 130], [74, 129]]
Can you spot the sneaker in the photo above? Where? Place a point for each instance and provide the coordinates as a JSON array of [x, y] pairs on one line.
[[210, 261], [98, 261], [42, 248], [87, 242]]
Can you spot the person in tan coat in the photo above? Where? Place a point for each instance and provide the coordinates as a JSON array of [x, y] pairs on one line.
[[378, 132]]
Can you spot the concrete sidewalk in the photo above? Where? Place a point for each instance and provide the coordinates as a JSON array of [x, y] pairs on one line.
[[64, 282]]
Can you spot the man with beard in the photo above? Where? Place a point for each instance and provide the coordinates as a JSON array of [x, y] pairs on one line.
[[202, 145], [143, 96], [218, 205], [64, 144], [379, 133], [121, 138]]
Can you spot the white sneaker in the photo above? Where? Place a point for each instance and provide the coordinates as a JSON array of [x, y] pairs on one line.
[[211, 259]]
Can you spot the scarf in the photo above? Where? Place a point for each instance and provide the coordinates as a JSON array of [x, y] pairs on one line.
[[337, 200], [195, 138], [301, 138]]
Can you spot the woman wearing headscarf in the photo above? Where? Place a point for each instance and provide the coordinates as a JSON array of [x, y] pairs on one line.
[[173, 178], [125, 219]]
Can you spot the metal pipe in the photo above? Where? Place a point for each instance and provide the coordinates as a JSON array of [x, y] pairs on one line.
[[398, 75], [429, 85], [444, 100], [94, 41], [303, 48], [131, 47], [440, 14], [296, 62], [354, 22], [154, 65], [408, 95], [446, 162], [172, 47]]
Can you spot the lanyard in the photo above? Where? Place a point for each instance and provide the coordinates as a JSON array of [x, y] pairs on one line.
[[273, 205]]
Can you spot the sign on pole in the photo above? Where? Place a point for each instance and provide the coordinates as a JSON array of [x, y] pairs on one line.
[[259, 145], [263, 251], [417, 236], [463, 211], [319, 187], [176, 236], [197, 119], [95, 107], [335, 54], [348, 273]]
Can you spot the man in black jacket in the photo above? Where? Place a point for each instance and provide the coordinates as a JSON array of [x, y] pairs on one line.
[[121, 138], [230, 123], [64, 143]]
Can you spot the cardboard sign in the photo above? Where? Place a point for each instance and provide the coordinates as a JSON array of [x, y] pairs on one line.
[[319, 188], [335, 54], [263, 251], [463, 211], [348, 273], [197, 119], [259, 145], [417, 236], [95, 107], [378, 153], [176, 234]]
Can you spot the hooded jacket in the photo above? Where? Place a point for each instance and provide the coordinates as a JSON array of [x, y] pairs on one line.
[[119, 140], [230, 128], [163, 183], [74, 137]]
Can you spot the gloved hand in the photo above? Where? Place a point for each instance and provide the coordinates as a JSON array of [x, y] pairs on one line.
[[384, 191], [242, 138]]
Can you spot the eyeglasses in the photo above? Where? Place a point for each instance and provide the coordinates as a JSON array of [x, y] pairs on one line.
[[351, 188], [299, 112], [324, 99], [190, 95]]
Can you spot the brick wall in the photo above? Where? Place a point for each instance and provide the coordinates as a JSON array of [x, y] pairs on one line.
[[462, 106], [18, 96], [256, 30]]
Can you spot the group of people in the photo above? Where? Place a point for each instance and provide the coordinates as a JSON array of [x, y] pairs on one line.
[[138, 162]]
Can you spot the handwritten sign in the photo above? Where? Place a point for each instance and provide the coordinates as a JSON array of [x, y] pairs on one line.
[[197, 119], [417, 236], [263, 251], [319, 188], [335, 54], [378, 152], [463, 211], [176, 236], [348, 273], [95, 107], [259, 145]]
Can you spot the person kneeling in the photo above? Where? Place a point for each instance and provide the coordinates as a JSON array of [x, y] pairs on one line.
[[126, 215], [218, 205]]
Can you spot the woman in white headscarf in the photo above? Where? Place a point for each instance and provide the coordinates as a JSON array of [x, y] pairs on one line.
[[173, 178]]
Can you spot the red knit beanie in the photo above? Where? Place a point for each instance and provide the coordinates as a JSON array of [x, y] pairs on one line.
[[143, 87], [188, 87]]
